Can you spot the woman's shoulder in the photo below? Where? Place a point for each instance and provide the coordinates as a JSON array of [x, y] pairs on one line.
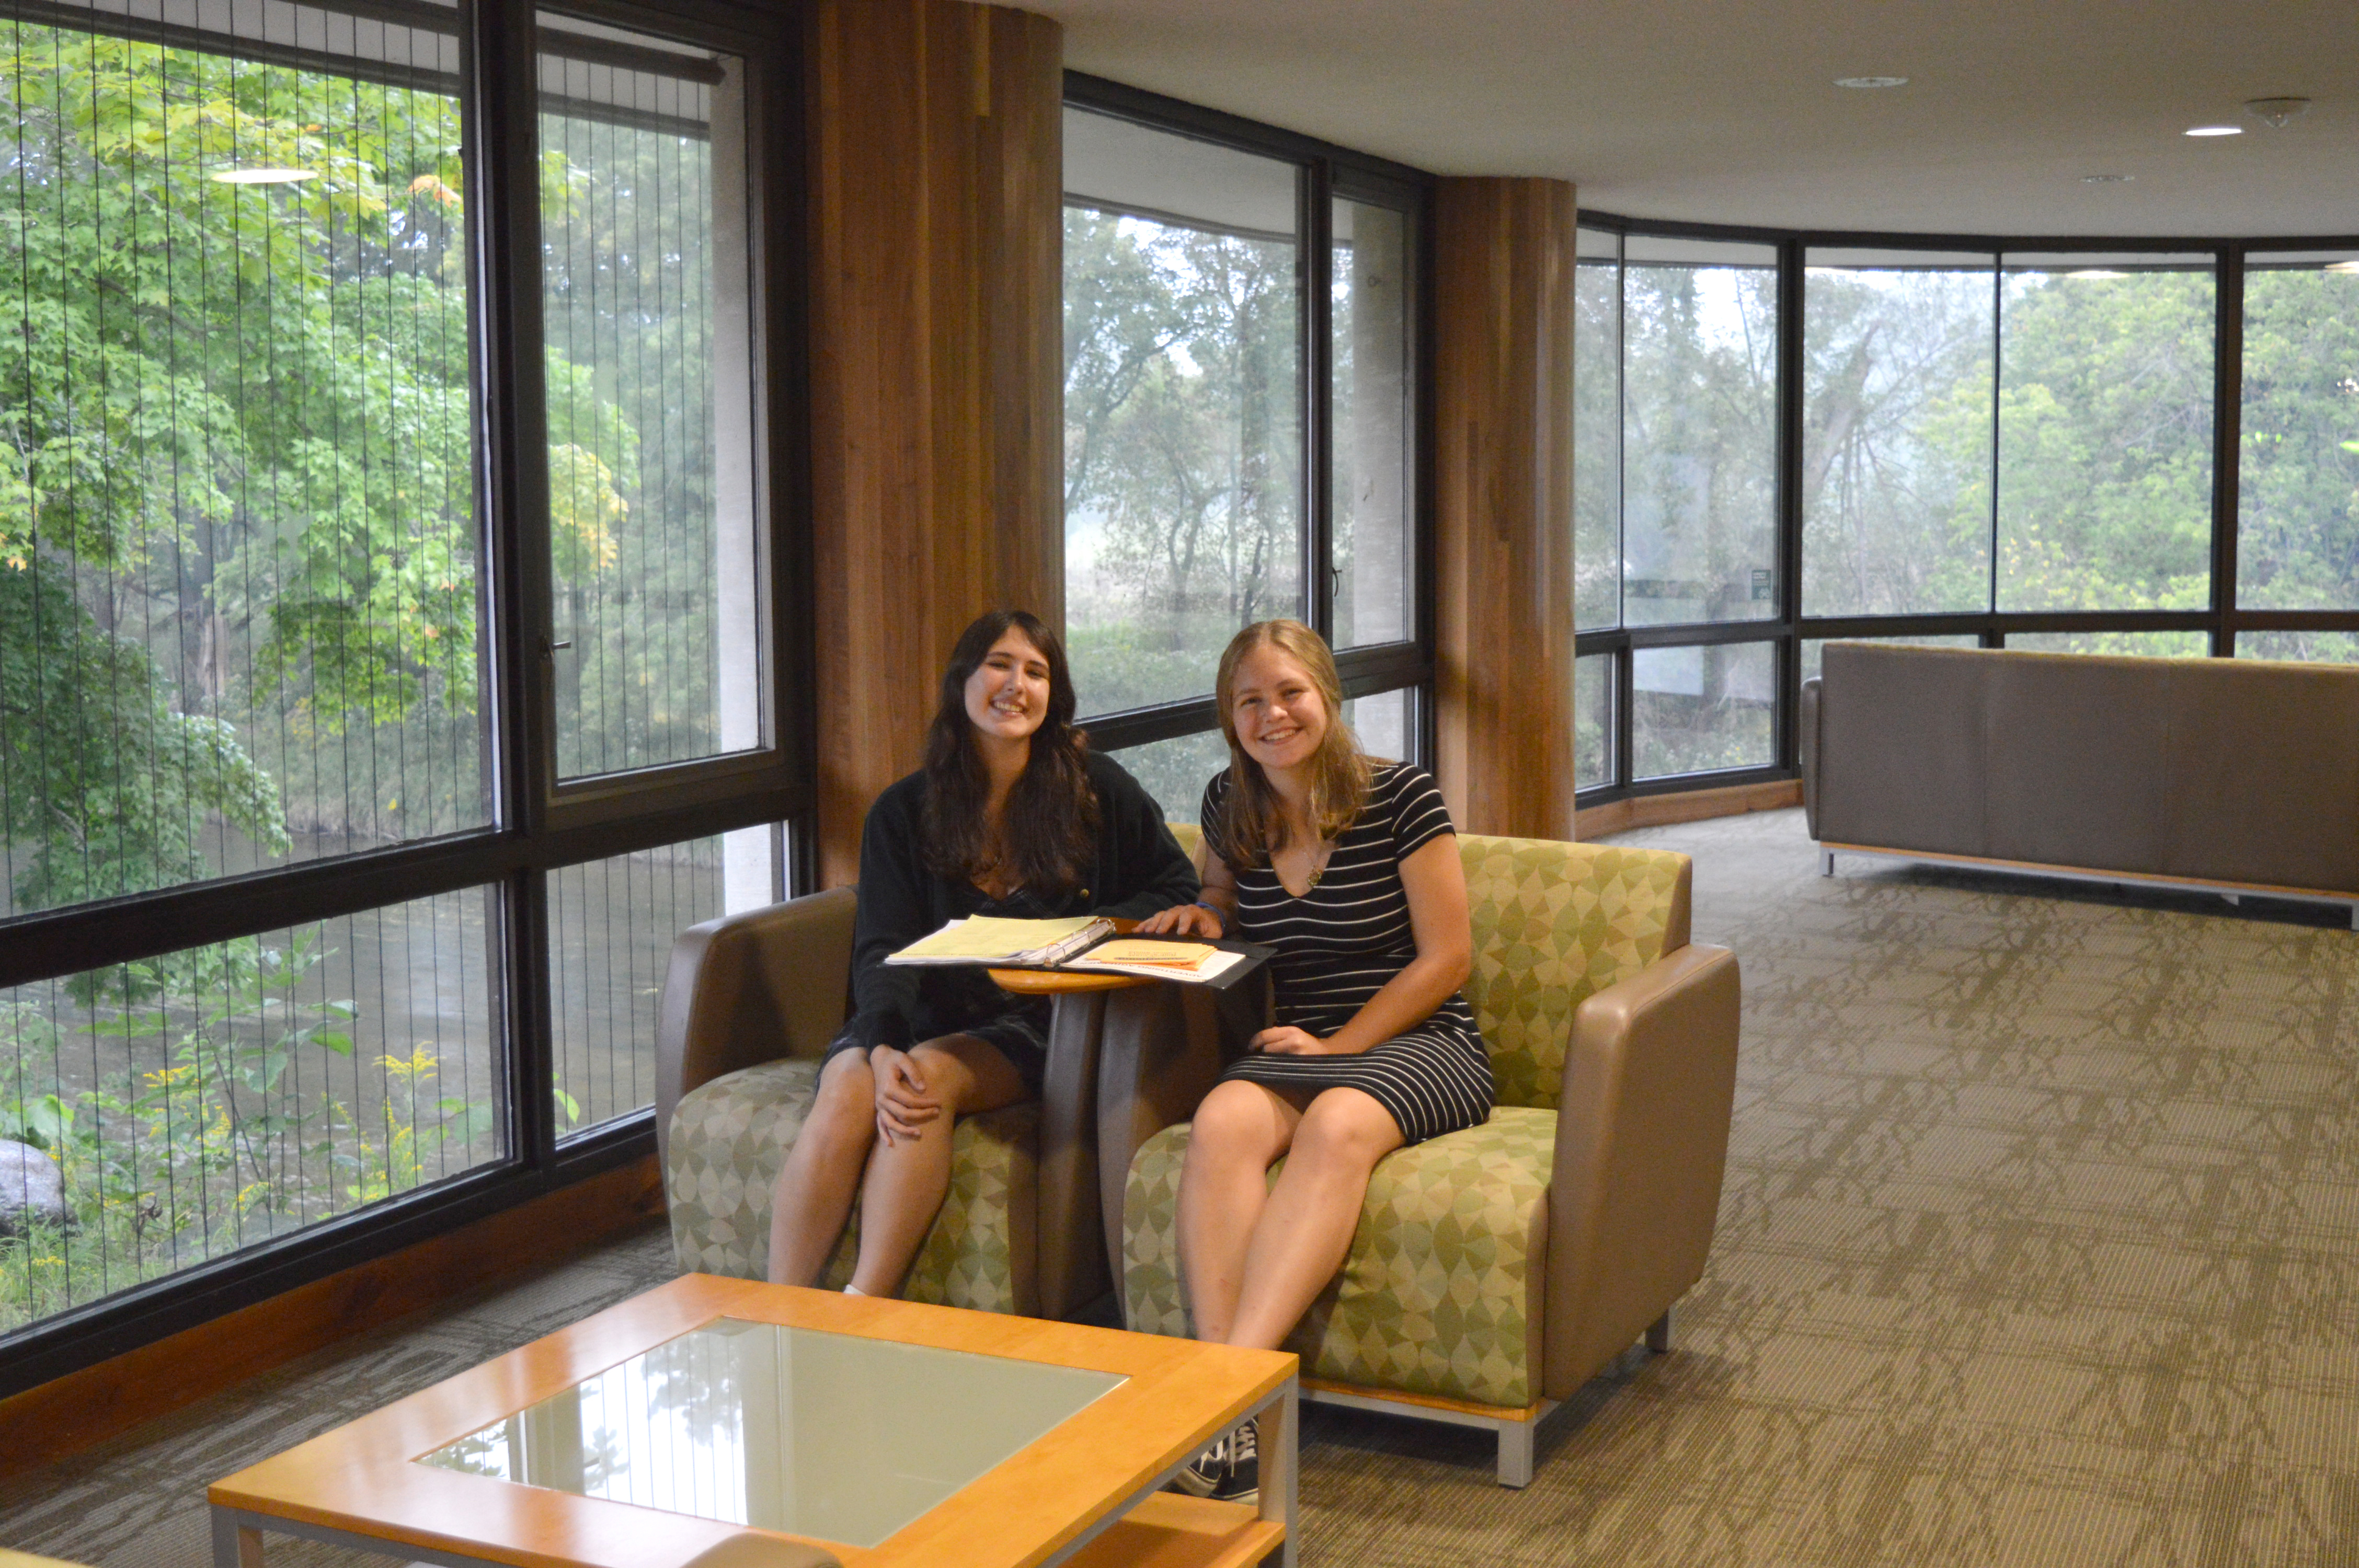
[[1405, 797], [903, 797]]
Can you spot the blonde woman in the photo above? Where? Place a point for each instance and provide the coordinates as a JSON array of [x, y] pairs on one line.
[[1349, 868]]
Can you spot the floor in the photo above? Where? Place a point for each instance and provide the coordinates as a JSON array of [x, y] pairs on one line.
[[2040, 1245]]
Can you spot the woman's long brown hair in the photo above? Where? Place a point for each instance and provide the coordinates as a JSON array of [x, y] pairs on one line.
[[1250, 819], [1046, 840]]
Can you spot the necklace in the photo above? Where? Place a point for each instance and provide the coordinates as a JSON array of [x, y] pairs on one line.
[[1319, 863]]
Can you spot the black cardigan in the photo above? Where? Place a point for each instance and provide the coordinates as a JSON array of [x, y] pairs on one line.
[[1139, 868]]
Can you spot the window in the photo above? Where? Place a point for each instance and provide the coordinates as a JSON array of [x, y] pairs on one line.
[[2298, 522], [2104, 433], [1242, 422], [309, 771], [1988, 446], [1898, 385], [1698, 432]]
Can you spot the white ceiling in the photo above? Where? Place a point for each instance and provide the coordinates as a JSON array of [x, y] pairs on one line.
[[1726, 112]]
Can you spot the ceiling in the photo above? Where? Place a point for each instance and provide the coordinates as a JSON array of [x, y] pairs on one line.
[[1723, 112]]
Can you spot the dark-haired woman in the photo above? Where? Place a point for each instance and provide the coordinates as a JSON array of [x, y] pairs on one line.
[[1348, 868], [1011, 815]]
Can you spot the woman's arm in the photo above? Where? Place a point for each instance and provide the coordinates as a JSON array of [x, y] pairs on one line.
[[1216, 907], [894, 910], [1435, 880]]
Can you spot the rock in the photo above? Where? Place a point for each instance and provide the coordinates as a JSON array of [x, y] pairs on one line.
[[31, 1190]]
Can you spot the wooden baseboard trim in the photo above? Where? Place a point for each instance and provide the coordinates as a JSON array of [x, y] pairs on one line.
[[1686, 806], [69, 1414]]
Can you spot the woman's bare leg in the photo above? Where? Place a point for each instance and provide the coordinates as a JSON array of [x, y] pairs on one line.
[[1239, 1130], [813, 1197], [908, 1177], [1306, 1226]]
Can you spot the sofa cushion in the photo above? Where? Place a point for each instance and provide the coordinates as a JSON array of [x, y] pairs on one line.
[[730, 1138], [1553, 923], [1437, 1295]]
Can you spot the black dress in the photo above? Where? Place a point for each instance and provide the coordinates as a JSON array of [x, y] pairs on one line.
[[1339, 944], [1138, 869]]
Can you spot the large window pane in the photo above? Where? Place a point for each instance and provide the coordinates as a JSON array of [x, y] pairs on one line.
[[2297, 492], [238, 594], [1697, 710], [652, 414], [1896, 433], [1176, 772], [2104, 438], [190, 1104], [1592, 720], [1597, 432], [1184, 406], [1698, 432], [612, 923], [1373, 379]]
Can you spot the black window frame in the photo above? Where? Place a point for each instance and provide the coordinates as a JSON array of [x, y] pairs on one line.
[[1329, 173], [2221, 621], [538, 824]]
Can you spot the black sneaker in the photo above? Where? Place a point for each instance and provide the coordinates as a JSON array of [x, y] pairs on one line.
[[1227, 1472]]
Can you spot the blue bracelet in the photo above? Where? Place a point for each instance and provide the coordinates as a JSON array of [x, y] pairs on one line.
[[1215, 914]]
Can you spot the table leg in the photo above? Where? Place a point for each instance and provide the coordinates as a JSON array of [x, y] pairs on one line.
[[235, 1543], [1280, 1443]]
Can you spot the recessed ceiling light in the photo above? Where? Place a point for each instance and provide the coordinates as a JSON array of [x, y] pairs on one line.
[[265, 176], [2107, 178], [1871, 82], [2278, 112], [2215, 130]]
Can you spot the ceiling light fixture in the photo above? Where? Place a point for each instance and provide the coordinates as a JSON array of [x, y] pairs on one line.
[[2107, 178], [265, 176], [2278, 112], [2096, 272], [2215, 130], [1871, 82]]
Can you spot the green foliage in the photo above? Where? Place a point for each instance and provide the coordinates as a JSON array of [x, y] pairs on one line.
[[1182, 438]]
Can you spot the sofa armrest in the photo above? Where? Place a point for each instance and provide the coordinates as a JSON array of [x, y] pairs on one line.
[[1641, 1144], [749, 989]]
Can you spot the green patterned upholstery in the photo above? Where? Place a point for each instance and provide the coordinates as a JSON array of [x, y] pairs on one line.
[[1441, 1291], [1437, 1295], [730, 1137], [1554, 922]]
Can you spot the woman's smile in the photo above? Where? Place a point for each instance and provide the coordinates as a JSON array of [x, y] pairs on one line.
[[1008, 696]]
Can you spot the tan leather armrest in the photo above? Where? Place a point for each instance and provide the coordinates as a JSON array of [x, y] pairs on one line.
[[749, 989], [1641, 1144]]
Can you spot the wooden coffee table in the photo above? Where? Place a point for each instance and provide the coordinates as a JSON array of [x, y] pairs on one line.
[[727, 1421]]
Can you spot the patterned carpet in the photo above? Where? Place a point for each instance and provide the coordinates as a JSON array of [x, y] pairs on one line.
[[2040, 1247]]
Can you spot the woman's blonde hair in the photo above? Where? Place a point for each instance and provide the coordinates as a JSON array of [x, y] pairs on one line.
[[1250, 818]]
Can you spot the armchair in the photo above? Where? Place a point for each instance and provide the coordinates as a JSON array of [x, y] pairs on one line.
[[748, 1006], [1497, 1268]]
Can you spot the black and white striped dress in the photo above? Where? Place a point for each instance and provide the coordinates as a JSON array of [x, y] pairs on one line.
[[1339, 943]]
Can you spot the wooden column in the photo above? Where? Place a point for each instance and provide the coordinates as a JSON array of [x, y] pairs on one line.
[[937, 363], [1502, 412]]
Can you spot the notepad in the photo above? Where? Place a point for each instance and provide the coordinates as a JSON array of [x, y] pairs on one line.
[[996, 939], [1140, 950]]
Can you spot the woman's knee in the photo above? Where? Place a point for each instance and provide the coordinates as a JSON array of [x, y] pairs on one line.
[[1239, 1118], [1346, 1127]]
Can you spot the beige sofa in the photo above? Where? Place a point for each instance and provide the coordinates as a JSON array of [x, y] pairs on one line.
[[2236, 776]]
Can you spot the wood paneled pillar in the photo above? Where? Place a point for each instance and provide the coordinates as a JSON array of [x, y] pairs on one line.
[[937, 361], [1502, 413]]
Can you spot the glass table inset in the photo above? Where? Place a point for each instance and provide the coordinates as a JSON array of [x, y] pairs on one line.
[[815, 1434]]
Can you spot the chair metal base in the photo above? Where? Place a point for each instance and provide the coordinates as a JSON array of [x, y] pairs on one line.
[[1516, 1429]]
